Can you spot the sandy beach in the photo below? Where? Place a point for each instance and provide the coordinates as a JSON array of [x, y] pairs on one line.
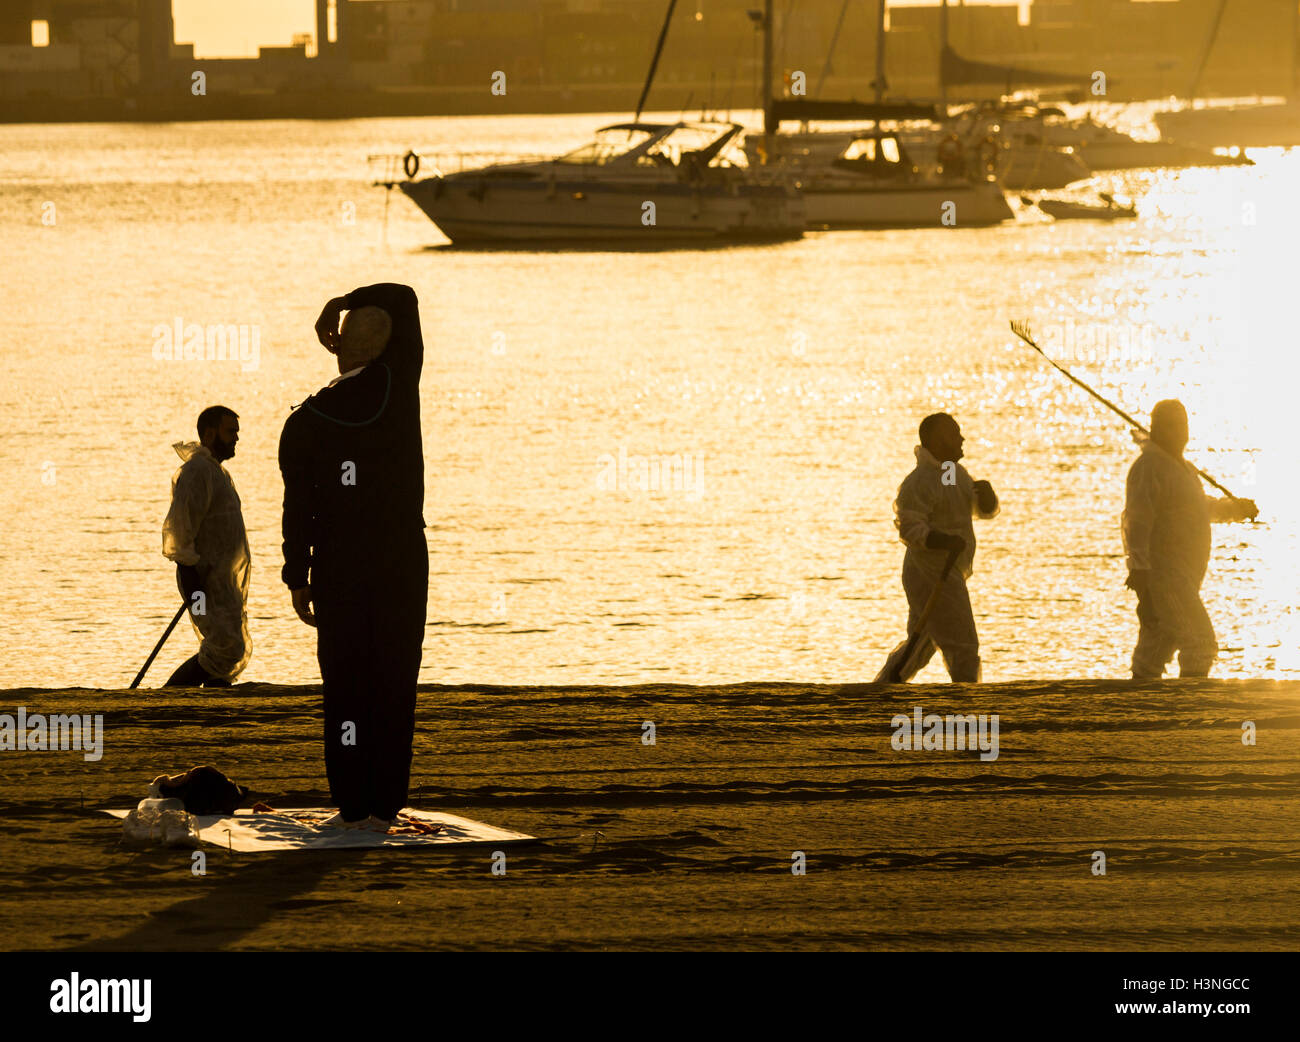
[[689, 843]]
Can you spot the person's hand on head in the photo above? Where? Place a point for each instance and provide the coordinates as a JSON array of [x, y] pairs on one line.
[[327, 326]]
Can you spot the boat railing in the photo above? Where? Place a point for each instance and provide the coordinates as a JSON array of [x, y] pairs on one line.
[[390, 169]]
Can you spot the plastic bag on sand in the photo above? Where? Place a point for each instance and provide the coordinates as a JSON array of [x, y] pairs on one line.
[[157, 822]]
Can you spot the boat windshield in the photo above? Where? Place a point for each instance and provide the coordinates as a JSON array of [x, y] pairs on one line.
[[873, 150], [608, 146], [683, 142]]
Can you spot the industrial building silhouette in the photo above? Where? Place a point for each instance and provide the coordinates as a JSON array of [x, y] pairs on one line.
[[118, 59]]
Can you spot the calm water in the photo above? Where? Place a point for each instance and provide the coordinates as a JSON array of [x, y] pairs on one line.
[[791, 377]]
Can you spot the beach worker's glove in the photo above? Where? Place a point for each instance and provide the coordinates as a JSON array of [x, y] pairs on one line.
[[943, 541], [190, 581], [1139, 582], [1242, 509]]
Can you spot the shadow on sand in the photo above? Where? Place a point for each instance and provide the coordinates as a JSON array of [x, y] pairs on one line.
[[242, 895]]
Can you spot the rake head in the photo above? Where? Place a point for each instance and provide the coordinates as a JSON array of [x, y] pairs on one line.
[[1021, 329]]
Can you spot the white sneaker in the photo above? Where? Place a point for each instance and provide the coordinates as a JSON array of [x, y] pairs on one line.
[[337, 822]]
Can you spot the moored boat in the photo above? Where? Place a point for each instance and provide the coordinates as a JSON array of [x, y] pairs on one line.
[[1109, 209], [868, 178], [634, 184], [1099, 146]]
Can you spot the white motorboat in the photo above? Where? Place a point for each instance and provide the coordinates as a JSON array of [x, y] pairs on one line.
[[634, 184], [1099, 146]]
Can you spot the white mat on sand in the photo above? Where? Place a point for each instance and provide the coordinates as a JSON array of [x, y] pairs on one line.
[[292, 828]]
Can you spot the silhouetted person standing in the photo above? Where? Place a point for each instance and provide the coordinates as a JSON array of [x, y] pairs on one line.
[[204, 534], [354, 548], [932, 513], [1166, 530]]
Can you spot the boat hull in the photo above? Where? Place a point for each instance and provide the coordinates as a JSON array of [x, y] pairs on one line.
[[1062, 210], [1246, 126], [1146, 154], [1020, 167], [924, 205], [475, 211], [1031, 168]]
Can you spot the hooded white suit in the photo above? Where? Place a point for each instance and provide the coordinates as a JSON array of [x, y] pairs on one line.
[[927, 502], [1166, 530], [205, 528]]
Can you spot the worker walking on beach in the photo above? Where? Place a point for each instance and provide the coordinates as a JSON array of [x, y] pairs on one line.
[[204, 534], [1166, 531], [355, 558], [932, 513]]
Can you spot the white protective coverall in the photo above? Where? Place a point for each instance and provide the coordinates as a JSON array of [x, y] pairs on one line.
[[205, 528], [926, 503], [1166, 531]]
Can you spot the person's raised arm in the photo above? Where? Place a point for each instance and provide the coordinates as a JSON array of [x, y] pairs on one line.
[[405, 351], [1232, 509]]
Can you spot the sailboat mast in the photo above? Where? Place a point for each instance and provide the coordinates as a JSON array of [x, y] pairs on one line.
[[1209, 46], [768, 114], [943, 49], [654, 62], [1295, 49], [880, 52]]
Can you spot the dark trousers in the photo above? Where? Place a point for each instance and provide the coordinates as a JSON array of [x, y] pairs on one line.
[[370, 606]]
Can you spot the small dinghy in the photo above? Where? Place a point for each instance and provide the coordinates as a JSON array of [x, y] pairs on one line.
[[1071, 210]]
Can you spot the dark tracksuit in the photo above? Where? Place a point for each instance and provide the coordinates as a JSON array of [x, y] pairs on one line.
[[353, 467]]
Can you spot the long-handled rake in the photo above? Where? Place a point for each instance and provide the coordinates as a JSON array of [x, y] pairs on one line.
[[1021, 329], [158, 647]]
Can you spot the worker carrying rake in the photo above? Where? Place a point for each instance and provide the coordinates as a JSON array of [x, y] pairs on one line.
[[1166, 531], [1166, 528], [933, 513]]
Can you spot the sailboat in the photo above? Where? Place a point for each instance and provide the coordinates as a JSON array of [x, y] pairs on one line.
[[1025, 159], [869, 176], [1259, 125]]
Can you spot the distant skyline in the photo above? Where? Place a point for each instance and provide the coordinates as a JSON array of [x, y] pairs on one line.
[[237, 28]]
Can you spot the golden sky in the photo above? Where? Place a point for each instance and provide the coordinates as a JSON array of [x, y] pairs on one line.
[[236, 28]]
